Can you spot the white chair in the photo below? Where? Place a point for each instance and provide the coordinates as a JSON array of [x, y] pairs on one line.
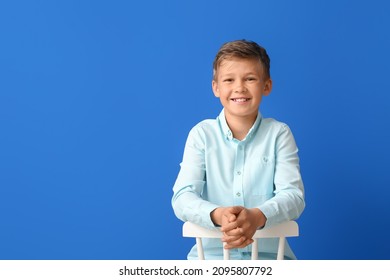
[[287, 229]]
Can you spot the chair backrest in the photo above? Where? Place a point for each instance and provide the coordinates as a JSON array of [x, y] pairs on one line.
[[281, 231]]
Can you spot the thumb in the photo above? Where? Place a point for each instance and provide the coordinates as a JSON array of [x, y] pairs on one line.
[[233, 212], [236, 209]]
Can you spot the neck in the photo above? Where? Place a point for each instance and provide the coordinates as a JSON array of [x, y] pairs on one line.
[[240, 126]]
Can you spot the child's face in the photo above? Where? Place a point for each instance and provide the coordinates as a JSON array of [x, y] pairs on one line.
[[240, 85]]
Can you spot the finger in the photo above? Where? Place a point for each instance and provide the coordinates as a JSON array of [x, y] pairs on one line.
[[234, 242], [230, 226], [236, 209], [233, 239], [233, 210], [240, 243], [234, 232], [230, 217]]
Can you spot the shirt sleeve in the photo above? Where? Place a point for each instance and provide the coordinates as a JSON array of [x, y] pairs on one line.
[[187, 201], [288, 201]]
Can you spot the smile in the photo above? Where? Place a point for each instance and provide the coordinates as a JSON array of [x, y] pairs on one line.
[[240, 100]]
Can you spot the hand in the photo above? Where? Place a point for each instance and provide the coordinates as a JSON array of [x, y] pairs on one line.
[[239, 225], [224, 215]]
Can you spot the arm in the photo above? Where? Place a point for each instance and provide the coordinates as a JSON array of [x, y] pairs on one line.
[[288, 202], [187, 200]]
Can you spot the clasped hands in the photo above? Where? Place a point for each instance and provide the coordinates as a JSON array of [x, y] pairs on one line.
[[238, 224]]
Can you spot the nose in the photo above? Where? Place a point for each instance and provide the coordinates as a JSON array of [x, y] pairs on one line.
[[239, 87]]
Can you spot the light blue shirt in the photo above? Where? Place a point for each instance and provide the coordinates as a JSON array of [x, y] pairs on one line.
[[260, 171]]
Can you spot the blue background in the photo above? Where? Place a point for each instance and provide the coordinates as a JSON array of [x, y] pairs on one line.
[[97, 99]]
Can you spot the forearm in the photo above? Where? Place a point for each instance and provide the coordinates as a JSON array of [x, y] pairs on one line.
[[189, 206], [283, 207]]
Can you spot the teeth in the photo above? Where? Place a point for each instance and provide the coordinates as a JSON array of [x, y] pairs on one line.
[[240, 99]]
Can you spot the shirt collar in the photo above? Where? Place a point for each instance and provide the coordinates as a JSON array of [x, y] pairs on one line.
[[228, 134]]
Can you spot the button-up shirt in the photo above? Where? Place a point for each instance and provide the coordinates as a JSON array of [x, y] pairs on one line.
[[260, 171]]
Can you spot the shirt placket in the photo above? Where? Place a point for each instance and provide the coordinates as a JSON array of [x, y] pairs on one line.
[[238, 195], [238, 182]]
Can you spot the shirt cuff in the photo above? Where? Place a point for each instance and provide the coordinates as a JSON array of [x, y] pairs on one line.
[[270, 213], [205, 215]]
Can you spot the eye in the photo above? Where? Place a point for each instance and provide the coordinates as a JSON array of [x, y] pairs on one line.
[[251, 79], [228, 80]]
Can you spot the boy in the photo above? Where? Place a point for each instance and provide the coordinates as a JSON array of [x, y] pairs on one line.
[[241, 171]]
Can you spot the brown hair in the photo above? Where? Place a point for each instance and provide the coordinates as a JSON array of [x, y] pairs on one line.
[[242, 49]]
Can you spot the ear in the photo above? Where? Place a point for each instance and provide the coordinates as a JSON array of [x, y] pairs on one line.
[[214, 85], [267, 87]]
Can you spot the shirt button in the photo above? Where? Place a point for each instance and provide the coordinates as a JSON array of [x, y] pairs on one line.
[[238, 194], [238, 172]]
